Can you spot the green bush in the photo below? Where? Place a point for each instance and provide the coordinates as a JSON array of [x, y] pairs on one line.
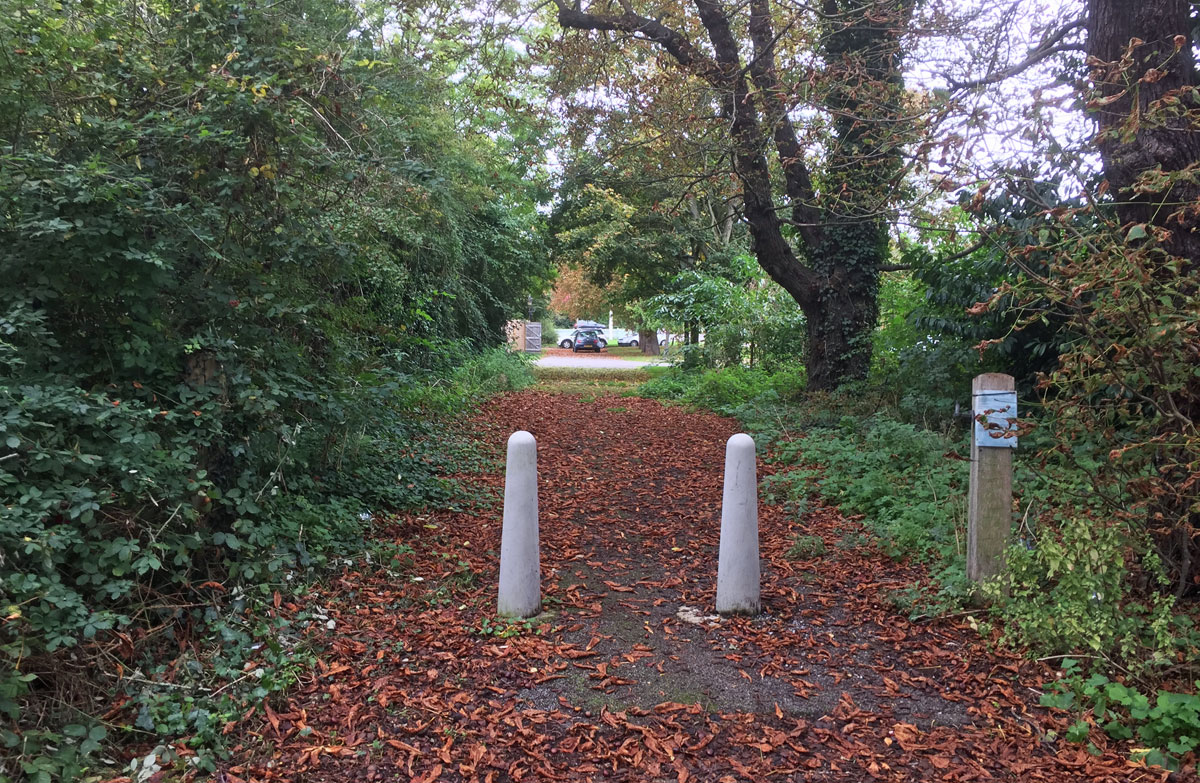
[[1068, 592], [895, 474], [235, 302], [672, 385], [725, 390]]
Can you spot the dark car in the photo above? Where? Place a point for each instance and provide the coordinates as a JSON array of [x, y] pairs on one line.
[[587, 341]]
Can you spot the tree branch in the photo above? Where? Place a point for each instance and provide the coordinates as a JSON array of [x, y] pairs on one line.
[[1049, 46], [797, 180], [964, 253], [674, 42]]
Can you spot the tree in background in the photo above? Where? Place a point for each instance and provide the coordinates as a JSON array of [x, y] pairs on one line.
[[818, 207], [578, 298], [634, 237]]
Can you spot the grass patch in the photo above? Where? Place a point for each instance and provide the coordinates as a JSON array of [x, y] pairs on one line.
[[596, 382], [806, 548], [630, 353]]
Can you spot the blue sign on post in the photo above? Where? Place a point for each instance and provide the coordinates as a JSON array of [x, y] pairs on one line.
[[995, 419]]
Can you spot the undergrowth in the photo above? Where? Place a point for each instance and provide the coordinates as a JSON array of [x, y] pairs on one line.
[[173, 643]]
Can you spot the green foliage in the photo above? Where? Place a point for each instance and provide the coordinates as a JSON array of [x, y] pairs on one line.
[[1069, 593], [726, 390], [932, 323], [248, 259], [1169, 726], [895, 474], [746, 318], [1128, 382], [477, 376], [610, 225], [805, 548], [900, 296], [507, 629]]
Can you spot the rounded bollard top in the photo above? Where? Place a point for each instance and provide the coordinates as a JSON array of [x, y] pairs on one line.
[[741, 441], [521, 438]]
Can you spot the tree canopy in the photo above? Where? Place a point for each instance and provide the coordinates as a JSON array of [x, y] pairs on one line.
[[816, 204]]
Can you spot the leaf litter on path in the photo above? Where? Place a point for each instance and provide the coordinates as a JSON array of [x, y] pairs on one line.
[[616, 681]]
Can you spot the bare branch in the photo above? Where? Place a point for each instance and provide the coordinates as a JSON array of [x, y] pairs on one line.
[[1048, 47], [676, 44]]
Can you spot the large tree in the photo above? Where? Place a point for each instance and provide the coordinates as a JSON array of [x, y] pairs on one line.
[[1144, 70], [817, 206]]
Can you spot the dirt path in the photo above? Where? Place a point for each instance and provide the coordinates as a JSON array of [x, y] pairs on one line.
[[619, 682]]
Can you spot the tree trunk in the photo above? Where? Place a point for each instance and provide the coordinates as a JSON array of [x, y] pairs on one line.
[[1133, 138], [840, 324], [839, 338], [648, 342]]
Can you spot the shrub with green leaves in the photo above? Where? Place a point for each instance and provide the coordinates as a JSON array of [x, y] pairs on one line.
[[725, 390], [249, 256], [1069, 591], [895, 474]]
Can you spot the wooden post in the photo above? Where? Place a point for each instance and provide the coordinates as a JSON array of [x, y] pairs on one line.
[[989, 517]]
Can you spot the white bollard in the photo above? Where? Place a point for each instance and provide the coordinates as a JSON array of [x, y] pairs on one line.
[[520, 593], [737, 567]]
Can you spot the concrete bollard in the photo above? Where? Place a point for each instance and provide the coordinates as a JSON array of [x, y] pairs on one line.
[[520, 593], [737, 567]]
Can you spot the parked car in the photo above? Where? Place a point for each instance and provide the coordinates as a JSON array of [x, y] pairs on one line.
[[588, 341], [569, 341], [625, 337]]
